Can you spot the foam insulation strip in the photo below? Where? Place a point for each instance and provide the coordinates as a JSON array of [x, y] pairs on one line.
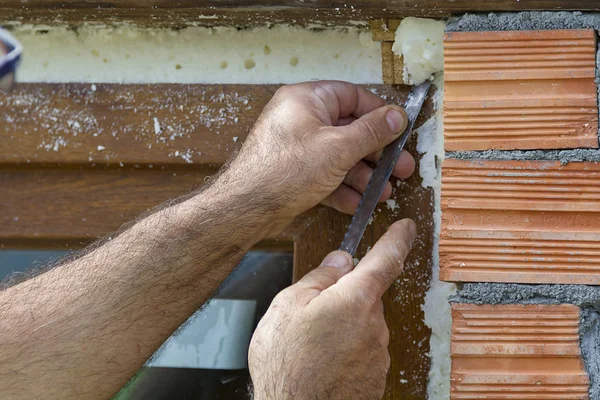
[[422, 40], [281, 54], [430, 145]]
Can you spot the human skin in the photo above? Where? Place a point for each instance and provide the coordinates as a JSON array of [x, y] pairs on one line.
[[81, 329]]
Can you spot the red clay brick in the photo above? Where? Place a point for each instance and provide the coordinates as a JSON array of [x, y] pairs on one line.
[[520, 221], [520, 90], [520, 352]]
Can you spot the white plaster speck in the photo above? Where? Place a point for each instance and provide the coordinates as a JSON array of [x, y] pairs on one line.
[[391, 204], [157, 129]]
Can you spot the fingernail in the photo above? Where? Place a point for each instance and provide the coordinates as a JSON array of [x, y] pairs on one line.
[[396, 121], [337, 259]]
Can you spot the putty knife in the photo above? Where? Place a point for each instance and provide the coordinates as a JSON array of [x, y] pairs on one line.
[[383, 171]]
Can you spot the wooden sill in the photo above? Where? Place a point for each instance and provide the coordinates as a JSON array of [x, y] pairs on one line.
[[246, 13]]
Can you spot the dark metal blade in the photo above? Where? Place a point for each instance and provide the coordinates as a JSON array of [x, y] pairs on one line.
[[383, 171]]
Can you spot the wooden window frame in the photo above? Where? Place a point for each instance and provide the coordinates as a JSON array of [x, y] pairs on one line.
[[61, 199]]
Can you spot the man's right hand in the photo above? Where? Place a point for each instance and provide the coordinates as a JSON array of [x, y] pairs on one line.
[[315, 142], [325, 337]]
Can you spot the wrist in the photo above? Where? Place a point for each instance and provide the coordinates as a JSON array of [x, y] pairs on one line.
[[246, 209]]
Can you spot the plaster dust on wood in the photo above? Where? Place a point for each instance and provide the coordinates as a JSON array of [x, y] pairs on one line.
[[279, 54]]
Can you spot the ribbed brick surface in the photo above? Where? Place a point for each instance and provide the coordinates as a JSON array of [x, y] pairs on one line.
[[520, 352], [520, 90], [520, 221]]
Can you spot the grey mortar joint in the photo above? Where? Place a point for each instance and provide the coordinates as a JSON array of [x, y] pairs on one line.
[[586, 297], [564, 156]]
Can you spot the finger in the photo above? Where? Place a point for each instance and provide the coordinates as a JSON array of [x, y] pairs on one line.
[[335, 265], [403, 169], [381, 266], [344, 99], [358, 179], [345, 121], [380, 305], [371, 132], [344, 199]]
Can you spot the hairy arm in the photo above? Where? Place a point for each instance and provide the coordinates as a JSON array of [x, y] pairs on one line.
[[83, 328]]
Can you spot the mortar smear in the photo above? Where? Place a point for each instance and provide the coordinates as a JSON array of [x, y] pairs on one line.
[[513, 293], [589, 332], [564, 156], [523, 21]]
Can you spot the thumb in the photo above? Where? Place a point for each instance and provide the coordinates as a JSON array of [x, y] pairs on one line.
[[335, 265], [373, 131], [383, 264]]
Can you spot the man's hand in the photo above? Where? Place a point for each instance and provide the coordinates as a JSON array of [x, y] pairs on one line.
[[325, 337], [81, 329], [314, 142]]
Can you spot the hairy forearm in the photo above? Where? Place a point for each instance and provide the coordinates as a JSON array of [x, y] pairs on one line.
[[82, 329]]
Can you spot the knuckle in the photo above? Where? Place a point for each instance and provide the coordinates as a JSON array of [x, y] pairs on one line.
[[323, 87], [335, 201], [385, 336], [283, 90], [283, 300], [402, 250], [359, 176], [369, 133], [399, 235], [365, 292], [383, 277], [326, 276], [364, 176], [391, 254]]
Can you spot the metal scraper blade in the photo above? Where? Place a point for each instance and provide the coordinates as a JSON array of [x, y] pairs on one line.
[[383, 171]]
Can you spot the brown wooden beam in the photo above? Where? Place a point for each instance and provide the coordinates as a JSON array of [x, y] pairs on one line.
[[116, 124], [62, 197], [70, 207], [246, 13]]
